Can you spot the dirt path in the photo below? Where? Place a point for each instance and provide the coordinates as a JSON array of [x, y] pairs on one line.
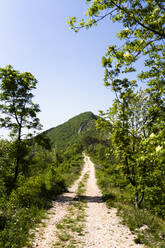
[[102, 228], [45, 235]]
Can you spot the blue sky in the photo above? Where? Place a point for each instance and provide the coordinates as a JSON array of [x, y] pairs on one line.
[[36, 38]]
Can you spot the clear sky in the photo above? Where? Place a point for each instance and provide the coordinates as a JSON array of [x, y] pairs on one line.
[[35, 37]]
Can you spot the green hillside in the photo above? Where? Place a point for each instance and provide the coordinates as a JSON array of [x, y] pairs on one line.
[[73, 130]]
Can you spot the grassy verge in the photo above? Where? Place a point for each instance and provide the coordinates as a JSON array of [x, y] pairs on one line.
[[73, 224], [28, 203], [82, 185], [150, 229]]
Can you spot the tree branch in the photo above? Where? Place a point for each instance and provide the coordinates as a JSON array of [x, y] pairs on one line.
[[140, 23]]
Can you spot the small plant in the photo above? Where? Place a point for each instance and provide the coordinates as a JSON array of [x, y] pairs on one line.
[[81, 186], [139, 239], [64, 236], [162, 246], [149, 228], [59, 226], [72, 223]]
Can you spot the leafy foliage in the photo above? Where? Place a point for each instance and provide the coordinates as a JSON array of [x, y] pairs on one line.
[[117, 192], [18, 110], [46, 176], [131, 170], [137, 117], [32, 172], [16, 101]]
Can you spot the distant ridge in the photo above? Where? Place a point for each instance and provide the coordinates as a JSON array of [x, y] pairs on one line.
[[72, 130]]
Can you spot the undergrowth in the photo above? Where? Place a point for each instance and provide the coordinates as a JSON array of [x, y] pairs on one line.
[[149, 228], [26, 204]]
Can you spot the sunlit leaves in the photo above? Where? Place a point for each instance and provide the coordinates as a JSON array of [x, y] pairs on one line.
[[16, 100], [19, 113], [137, 118]]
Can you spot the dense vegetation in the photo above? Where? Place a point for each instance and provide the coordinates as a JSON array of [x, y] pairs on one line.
[[129, 147], [134, 159], [147, 220], [33, 170], [44, 174]]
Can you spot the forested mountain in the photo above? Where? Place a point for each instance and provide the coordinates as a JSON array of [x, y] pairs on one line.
[[72, 130], [80, 130]]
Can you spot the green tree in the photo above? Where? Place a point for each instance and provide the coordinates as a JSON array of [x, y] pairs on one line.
[[136, 118], [142, 38], [19, 113], [128, 132], [143, 33], [7, 163]]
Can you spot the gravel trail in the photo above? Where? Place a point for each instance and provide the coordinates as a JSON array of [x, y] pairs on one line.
[[45, 234], [102, 228]]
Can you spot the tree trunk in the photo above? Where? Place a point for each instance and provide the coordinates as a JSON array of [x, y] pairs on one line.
[[138, 201], [18, 155]]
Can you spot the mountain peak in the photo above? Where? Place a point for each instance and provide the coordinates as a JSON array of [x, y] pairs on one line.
[[69, 132]]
